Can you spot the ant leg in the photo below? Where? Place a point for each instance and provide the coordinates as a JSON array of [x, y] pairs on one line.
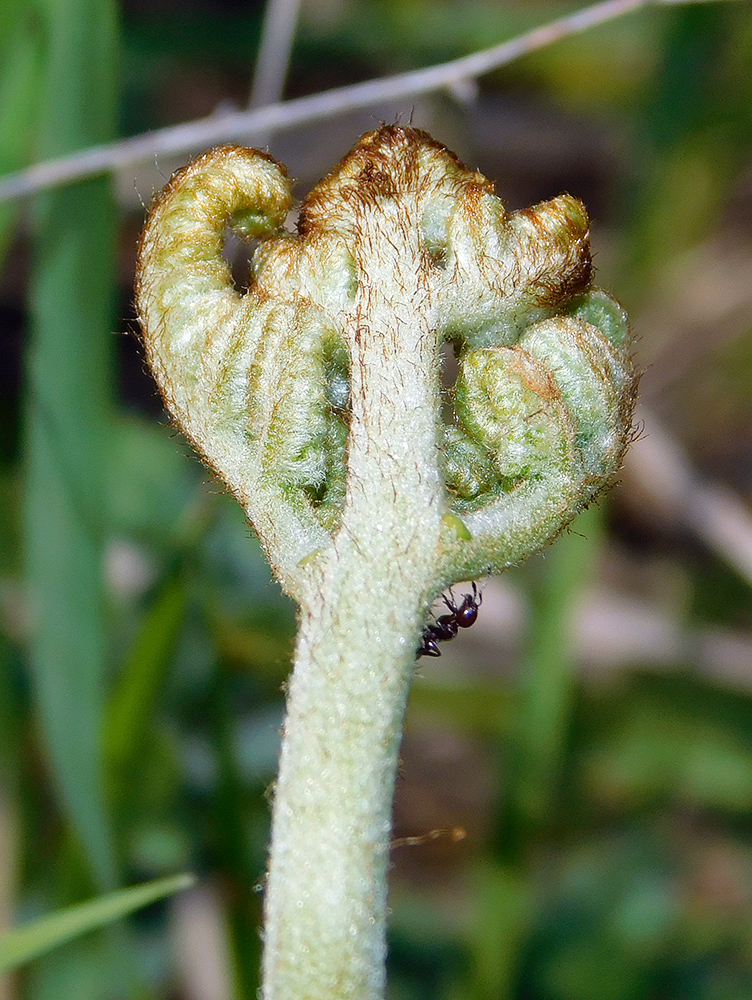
[[428, 647], [450, 601]]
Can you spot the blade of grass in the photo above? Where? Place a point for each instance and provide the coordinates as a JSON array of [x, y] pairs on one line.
[[20, 75], [26, 943], [277, 34], [549, 679], [504, 907], [67, 412], [131, 706]]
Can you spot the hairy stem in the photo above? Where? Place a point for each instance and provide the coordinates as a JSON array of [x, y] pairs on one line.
[[326, 894]]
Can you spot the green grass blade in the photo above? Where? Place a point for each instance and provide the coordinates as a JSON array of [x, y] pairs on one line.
[[549, 677], [131, 706], [26, 943], [67, 419], [20, 77]]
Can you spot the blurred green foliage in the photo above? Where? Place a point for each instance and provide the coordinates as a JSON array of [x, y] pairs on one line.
[[144, 648]]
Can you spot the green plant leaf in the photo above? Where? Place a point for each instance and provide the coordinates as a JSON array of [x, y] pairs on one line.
[[131, 705], [151, 488], [548, 684], [20, 72], [68, 414], [26, 943]]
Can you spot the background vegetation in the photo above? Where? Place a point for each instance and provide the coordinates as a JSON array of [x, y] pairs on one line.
[[592, 735]]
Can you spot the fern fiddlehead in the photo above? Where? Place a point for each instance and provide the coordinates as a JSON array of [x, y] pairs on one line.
[[316, 395]]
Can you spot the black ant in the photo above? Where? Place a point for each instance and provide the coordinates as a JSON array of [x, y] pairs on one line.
[[446, 627]]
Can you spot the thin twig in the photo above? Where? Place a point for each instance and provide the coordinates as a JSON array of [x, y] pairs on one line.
[[277, 33], [272, 62], [242, 126], [657, 469]]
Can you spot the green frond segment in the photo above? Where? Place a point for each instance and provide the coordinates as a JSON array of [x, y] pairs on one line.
[[594, 382], [540, 430], [299, 384], [600, 310], [507, 402]]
